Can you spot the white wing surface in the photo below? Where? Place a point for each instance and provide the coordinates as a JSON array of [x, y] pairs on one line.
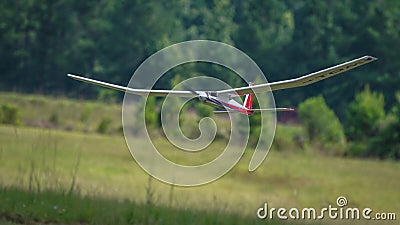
[[133, 90], [301, 81]]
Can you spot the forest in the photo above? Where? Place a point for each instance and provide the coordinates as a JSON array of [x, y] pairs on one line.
[[41, 41]]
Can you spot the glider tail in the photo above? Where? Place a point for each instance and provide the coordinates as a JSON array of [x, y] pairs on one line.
[[248, 100]]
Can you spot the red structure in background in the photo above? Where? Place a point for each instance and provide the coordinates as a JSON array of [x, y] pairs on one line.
[[288, 117]]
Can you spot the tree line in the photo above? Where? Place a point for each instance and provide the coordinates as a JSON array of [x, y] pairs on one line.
[[41, 41], [368, 129]]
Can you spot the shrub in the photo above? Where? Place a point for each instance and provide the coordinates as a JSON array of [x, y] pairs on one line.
[[54, 119], [387, 143], [357, 149], [104, 125], [203, 110], [107, 95], [364, 115], [322, 125], [10, 115]]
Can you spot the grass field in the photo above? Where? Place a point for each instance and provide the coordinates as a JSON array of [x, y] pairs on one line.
[[54, 176], [63, 113], [40, 167]]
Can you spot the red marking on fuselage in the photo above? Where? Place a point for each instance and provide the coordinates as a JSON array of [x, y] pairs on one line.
[[223, 104]]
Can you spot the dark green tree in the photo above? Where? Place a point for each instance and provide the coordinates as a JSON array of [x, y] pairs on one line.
[[264, 28]]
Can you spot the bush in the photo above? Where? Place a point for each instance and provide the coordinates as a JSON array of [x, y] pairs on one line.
[[10, 115], [54, 119], [107, 95], [387, 143], [357, 149], [322, 125], [364, 115], [104, 125], [203, 110]]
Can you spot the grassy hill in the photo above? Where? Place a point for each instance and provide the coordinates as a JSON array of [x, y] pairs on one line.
[[55, 176]]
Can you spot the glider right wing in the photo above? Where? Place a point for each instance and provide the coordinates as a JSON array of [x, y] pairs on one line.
[[301, 81]]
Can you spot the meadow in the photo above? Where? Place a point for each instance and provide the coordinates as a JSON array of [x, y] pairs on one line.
[[63, 113], [54, 176]]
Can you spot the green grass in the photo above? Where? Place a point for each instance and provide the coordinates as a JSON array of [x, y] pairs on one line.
[[98, 172], [55, 208], [63, 113], [56, 177]]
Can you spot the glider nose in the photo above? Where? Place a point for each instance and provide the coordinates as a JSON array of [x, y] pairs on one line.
[[203, 99]]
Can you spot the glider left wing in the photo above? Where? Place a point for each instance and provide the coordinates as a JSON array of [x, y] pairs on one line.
[[133, 90]]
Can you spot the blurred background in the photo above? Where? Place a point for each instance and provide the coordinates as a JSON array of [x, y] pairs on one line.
[[63, 158]]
